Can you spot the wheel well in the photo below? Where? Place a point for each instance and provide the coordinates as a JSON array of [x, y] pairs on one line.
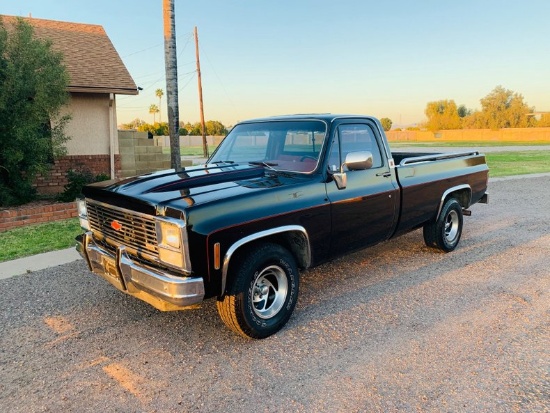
[[294, 240], [462, 193], [463, 196]]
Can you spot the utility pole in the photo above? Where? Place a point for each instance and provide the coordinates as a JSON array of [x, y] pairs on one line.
[[203, 126], [171, 67]]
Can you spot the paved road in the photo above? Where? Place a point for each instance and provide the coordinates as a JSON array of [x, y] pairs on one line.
[[396, 327]]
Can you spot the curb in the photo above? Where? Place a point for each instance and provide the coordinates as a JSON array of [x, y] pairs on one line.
[[37, 262]]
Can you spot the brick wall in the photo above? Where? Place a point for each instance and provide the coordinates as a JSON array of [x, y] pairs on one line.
[[34, 214], [54, 182]]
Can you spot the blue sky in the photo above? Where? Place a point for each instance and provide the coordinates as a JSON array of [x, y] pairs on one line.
[[382, 58]]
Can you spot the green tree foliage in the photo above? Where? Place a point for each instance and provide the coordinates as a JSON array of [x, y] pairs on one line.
[[503, 108], [463, 111], [135, 124], [386, 123], [215, 128], [157, 129], [442, 114], [33, 89], [154, 109], [159, 93]]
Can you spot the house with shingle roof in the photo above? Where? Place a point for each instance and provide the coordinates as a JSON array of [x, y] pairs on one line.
[[97, 75]]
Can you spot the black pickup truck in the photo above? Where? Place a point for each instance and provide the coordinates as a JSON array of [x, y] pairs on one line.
[[278, 195]]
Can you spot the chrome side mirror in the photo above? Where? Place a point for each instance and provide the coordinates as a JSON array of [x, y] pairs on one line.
[[359, 160], [354, 161]]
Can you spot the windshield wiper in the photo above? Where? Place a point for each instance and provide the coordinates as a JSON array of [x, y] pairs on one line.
[[217, 162], [268, 165]]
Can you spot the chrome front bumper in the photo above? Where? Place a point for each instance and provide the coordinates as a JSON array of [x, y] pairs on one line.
[[164, 291]]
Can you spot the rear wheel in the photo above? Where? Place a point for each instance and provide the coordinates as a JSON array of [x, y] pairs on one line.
[[263, 292], [445, 232]]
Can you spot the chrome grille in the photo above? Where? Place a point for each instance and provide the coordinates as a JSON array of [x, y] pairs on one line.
[[136, 231]]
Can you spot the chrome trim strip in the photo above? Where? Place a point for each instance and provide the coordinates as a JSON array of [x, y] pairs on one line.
[[435, 157], [259, 235], [451, 190], [136, 279], [111, 206], [154, 219]]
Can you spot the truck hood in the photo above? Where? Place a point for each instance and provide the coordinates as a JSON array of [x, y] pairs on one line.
[[191, 186]]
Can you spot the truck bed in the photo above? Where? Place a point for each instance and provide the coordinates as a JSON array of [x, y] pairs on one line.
[[425, 178]]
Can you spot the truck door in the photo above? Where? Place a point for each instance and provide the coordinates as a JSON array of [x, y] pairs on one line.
[[366, 211]]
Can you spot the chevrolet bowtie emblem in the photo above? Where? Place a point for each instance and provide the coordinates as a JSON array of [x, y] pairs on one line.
[[117, 226]]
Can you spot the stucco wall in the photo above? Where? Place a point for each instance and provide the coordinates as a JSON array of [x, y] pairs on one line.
[[89, 126]]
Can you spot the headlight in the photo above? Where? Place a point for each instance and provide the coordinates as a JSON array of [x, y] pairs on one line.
[[170, 235], [172, 243], [82, 214]]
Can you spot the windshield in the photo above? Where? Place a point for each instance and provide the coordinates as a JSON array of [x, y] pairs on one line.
[[280, 145]]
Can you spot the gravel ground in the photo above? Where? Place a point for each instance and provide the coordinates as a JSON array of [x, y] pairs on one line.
[[396, 327]]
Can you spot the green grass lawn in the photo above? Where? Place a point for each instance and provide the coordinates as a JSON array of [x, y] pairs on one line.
[[35, 239], [518, 163], [38, 238]]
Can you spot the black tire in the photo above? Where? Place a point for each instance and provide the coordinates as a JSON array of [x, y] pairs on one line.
[[263, 292], [444, 233]]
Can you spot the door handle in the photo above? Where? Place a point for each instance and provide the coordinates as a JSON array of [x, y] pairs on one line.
[[384, 174]]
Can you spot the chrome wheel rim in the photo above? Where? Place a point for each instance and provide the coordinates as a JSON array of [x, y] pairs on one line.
[[451, 226], [269, 292]]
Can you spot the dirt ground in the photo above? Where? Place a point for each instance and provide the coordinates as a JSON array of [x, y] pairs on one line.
[[396, 327]]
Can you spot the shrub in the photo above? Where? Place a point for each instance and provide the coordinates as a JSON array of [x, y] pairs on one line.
[[76, 180]]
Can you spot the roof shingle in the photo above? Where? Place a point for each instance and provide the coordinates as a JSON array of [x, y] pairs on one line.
[[93, 64]]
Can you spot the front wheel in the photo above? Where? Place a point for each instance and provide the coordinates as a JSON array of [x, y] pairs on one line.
[[445, 232], [263, 292]]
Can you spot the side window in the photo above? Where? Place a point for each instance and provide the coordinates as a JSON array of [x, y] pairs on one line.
[[354, 138]]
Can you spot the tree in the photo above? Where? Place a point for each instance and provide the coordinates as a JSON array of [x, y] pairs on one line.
[[215, 128], [442, 114], [159, 93], [544, 121], [386, 123], [473, 121], [135, 124], [154, 109], [503, 108], [33, 90], [463, 111]]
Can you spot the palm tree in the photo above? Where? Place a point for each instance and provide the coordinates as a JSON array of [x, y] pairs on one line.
[[159, 93], [154, 109]]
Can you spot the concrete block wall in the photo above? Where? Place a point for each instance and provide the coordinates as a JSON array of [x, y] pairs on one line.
[[139, 155]]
